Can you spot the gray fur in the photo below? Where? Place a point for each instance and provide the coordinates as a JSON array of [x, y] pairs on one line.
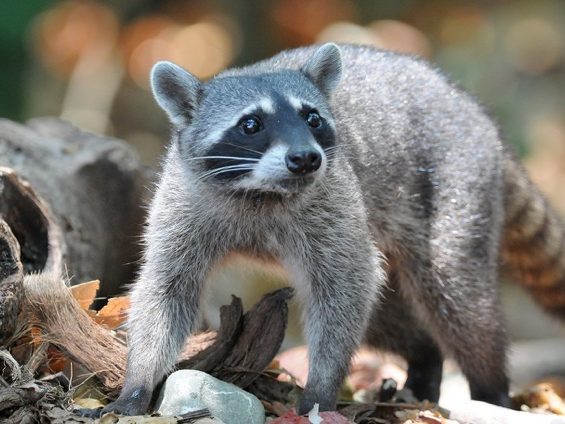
[[324, 68], [175, 90], [413, 190]]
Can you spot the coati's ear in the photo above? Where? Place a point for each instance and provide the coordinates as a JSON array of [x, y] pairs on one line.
[[175, 90], [324, 68]]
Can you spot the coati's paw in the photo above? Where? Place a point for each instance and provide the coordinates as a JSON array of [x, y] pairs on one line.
[[126, 407], [309, 399], [132, 402]]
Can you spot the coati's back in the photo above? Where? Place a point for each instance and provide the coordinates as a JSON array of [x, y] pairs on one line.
[[411, 135]]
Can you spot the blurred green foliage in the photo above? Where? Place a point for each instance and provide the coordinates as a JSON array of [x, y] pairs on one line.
[[15, 18]]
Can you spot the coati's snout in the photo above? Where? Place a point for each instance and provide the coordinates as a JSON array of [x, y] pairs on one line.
[[286, 167], [303, 161]]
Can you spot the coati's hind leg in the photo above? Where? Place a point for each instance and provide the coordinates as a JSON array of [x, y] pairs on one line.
[[394, 328], [453, 286]]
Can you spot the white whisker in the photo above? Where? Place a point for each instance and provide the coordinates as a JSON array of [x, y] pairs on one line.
[[228, 170], [216, 171], [243, 148], [224, 157], [223, 168], [338, 146]]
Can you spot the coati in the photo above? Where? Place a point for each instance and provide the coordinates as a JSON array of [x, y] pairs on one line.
[[383, 189]]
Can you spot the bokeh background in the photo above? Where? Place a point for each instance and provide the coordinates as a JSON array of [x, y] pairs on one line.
[[88, 62]]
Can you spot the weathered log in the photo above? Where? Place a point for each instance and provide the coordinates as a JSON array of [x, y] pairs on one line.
[[230, 327], [262, 334], [270, 389], [11, 277], [31, 222], [245, 344], [92, 188], [50, 306]]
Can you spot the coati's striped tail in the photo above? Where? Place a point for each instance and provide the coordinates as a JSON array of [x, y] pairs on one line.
[[533, 245]]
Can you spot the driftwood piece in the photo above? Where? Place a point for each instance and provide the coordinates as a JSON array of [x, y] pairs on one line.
[[263, 330], [11, 277], [269, 389], [230, 327], [51, 307], [245, 344], [92, 185]]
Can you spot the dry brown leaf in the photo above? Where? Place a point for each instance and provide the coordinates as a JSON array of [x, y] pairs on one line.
[[36, 336], [57, 360], [89, 403], [541, 397], [91, 313], [556, 383], [85, 293], [114, 313]]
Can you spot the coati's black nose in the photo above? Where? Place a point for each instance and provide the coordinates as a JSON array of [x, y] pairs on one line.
[[303, 162]]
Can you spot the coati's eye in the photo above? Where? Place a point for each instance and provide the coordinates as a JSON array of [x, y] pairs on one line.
[[250, 125], [313, 119]]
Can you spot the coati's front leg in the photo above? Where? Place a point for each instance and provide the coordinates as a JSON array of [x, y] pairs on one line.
[[164, 309], [340, 289]]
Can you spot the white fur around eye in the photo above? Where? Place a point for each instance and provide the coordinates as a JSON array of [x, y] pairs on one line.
[[264, 104], [267, 105], [295, 102]]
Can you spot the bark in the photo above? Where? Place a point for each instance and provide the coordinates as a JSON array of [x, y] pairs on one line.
[[91, 212], [11, 276], [50, 306], [245, 344]]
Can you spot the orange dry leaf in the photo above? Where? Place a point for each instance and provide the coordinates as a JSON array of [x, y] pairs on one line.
[[556, 383], [542, 396], [114, 313], [85, 293], [36, 336], [57, 360]]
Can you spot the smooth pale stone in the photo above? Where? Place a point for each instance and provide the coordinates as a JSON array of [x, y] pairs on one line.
[[190, 390]]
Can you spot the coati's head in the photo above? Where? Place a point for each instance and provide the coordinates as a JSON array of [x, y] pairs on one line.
[[268, 132]]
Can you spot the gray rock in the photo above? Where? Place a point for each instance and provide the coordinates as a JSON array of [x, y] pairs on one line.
[[189, 390]]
